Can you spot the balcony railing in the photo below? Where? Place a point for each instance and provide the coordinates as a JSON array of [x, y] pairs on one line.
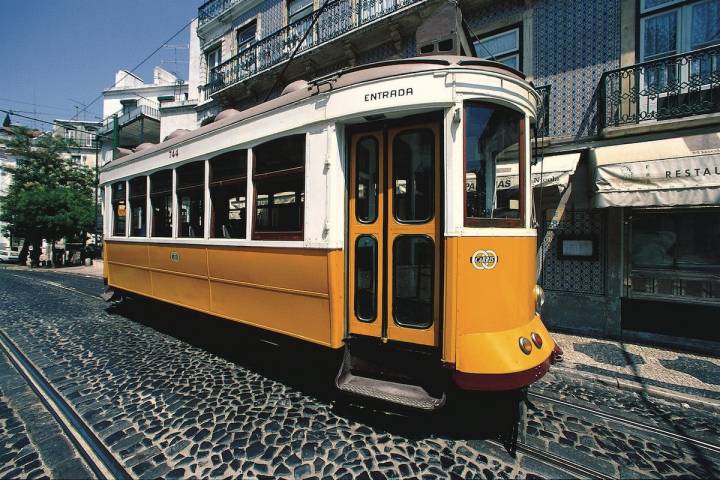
[[212, 9], [338, 17], [671, 87], [145, 107]]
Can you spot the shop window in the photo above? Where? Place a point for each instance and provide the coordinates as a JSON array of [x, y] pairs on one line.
[[228, 191], [279, 179], [494, 165], [503, 47], [119, 208], [161, 199], [190, 198], [138, 206]]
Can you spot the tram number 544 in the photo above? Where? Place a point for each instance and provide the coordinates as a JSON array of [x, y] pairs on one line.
[[174, 153]]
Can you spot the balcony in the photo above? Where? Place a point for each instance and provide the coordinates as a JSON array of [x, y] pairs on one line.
[[338, 18], [144, 108], [213, 9], [668, 88]]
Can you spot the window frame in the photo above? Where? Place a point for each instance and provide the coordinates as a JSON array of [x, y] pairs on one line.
[[113, 216], [209, 51], [161, 193], [683, 27], [501, 56], [475, 222], [227, 182], [194, 187], [254, 176], [290, 19], [132, 197], [243, 28]]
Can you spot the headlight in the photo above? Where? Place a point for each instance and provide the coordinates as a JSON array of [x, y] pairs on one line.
[[539, 298]]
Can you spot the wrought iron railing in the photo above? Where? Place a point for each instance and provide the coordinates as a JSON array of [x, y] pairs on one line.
[[145, 106], [671, 87], [338, 17], [543, 111], [212, 9]]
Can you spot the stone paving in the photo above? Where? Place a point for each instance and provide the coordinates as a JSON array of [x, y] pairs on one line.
[[168, 407], [691, 374], [18, 458]]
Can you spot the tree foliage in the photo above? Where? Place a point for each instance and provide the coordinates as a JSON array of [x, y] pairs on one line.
[[50, 196]]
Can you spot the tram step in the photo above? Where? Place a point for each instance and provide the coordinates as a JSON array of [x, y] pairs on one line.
[[391, 374]]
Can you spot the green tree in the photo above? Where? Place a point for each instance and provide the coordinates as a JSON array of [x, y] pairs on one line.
[[50, 196]]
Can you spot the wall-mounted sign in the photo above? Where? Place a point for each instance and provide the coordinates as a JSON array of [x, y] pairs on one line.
[[397, 92], [577, 248], [484, 259]]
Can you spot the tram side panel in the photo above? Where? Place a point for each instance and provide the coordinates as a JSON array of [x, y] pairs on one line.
[[297, 292], [491, 304]]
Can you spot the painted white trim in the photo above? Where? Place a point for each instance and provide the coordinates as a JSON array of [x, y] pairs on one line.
[[175, 208], [497, 232], [235, 242], [250, 196], [207, 210], [148, 207]]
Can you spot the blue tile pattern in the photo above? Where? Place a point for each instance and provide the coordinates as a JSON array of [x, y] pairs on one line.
[[575, 41]]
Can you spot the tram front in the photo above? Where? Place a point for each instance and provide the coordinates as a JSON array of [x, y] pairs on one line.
[[441, 250]]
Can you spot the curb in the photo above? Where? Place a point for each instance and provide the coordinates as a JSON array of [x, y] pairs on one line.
[[637, 387]]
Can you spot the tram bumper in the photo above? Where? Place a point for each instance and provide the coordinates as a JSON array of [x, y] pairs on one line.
[[495, 361]]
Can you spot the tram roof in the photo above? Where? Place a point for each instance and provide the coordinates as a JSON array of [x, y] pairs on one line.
[[340, 78]]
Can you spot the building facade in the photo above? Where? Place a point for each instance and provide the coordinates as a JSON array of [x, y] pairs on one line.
[[132, 110], [628, 144]]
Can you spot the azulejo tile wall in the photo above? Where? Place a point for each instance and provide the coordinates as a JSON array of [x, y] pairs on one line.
[[574, 42]]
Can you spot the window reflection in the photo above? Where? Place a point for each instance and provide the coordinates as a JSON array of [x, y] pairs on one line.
[[119, 208], [138, 204], [191, 197], [414, 176], [228, 190], [161, 203], [492, 170]]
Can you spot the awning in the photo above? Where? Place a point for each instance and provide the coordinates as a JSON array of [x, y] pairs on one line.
[[552, 171], [681, 171]]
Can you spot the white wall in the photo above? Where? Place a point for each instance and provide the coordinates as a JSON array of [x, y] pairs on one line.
[[194, 77], [173, 118]]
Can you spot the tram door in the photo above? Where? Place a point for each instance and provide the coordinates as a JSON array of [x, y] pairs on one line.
[[394, 234]]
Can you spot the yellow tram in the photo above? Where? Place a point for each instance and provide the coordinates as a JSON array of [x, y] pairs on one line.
[[385, 209]]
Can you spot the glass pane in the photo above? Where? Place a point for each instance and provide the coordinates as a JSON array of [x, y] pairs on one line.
[[498, 44], [366, 175], [366, 278], [119, 214], [161, 181], [280, 154], [162, 215], [513, 61], [414, 176], [493, 162], [705, 26], [648, 4], [660, 36], [191, 175], [279, 205], [137, 217], [229, 208], [228, 166], [190, 205], [246, 36], [413, 278]]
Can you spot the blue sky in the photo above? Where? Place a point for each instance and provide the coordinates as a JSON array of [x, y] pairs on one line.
[[57, 53]]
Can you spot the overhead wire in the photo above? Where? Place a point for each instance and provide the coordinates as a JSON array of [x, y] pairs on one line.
[[142, 62]]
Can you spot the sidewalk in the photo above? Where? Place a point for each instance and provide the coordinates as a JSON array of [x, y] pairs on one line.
[[94, 270], [644, 369]]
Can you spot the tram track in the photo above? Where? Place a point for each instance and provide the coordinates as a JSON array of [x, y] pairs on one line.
[[629, 422], [96, 456]]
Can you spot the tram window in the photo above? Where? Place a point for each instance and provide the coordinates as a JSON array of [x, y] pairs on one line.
[[161, 201], [138, 205], [228, 190], [493, 170], [366, 278], [119, 208], [414, 176], [366, 189], [279, 179], [191, 197], [413, 280]]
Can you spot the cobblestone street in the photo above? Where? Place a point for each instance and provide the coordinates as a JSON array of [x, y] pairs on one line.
[[176, 394]]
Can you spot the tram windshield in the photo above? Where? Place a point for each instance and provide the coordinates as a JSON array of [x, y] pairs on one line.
[[492, 170]]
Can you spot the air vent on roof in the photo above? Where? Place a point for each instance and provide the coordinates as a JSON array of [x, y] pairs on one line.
[[177, 133], [143, 146], [294, 86], [230, 112]]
